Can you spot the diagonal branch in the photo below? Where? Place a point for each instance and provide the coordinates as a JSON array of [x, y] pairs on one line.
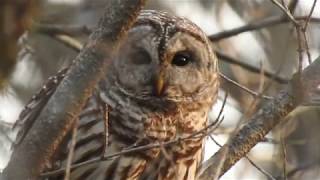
[[59, 114], [286, 11], [301, 90], [224, 57], [267, 22]]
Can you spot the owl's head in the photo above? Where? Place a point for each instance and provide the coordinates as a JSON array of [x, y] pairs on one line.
[[165, 57]]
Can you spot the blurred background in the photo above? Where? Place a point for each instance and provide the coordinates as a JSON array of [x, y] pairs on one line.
[[28, 58]]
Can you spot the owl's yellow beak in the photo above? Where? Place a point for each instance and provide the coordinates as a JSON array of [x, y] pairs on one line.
[[159, 84]]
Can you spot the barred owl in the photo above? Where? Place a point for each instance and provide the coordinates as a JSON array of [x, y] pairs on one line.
[[159, 88]]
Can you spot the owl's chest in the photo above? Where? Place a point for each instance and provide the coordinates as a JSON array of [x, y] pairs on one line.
[[157, 126], [181, 158], [178, 124]]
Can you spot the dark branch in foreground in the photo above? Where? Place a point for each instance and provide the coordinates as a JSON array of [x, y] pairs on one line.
[[301, 90], [29, 157]]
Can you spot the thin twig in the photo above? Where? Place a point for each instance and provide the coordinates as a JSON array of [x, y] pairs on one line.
[[262, 79], [71, 149], [306, 46], [309, 16], [286, 12], [284, 156], [304, 30], [219, 118], [224, 153], [250, 68], [253, 93], [169, 158], [300, 49], [253, 106]]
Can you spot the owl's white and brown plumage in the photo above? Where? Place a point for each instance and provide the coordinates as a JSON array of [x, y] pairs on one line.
[[160, 87]]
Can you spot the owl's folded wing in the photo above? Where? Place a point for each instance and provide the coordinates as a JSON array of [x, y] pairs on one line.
[[33, 108]]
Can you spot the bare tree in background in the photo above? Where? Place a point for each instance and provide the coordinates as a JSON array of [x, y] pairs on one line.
[[272, 40]]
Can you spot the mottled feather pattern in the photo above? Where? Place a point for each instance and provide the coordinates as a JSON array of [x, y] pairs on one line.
[[125, 112]]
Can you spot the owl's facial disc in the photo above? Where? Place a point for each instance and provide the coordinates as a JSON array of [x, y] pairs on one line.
[[182, 72], [188, 67], [181, 58]]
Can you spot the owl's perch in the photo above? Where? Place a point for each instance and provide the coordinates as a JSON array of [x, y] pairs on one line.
[[31, 156], [302, 90]]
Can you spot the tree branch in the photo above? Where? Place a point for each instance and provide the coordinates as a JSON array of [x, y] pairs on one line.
[[59, 114], [267, 22], [52, 29], [249, 67], [286, 11], [300, 90]]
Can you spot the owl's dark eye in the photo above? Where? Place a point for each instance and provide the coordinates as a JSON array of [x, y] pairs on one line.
[[140, 57], [182, 58]]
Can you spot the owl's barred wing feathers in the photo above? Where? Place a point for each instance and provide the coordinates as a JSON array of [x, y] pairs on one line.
[[159, 88], [91, 140], [35, 105]]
